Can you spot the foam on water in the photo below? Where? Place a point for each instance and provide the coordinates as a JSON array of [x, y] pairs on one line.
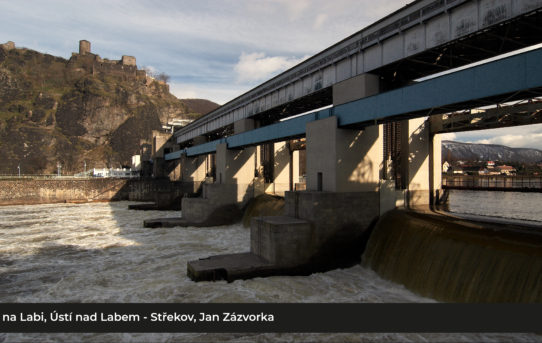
[[100, 252]]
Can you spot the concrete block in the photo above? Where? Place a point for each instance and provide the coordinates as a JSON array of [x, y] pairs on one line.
[[355, 88], [282, 240], [243, 125], [228, 267]]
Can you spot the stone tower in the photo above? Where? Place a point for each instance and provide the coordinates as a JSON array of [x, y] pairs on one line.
[[128, 60], [84, 47], [8, 46]]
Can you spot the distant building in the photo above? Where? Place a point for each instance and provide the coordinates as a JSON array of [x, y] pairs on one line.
[[175, 124], [490, 164], [120, 173], [445, 167], [471, 170], [485, 171], [136, 162], [457, 170], [100, 172], [506, 170]]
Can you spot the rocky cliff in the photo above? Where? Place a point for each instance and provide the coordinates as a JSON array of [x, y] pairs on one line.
[[54, 110]]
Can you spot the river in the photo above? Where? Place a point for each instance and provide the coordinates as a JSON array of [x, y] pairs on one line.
[[100, 252], [521, 207]]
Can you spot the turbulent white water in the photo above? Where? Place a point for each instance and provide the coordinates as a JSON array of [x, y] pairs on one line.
[[100, 252]]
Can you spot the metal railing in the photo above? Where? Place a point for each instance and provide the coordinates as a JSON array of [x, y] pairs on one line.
[[493, 182], [43, 176]]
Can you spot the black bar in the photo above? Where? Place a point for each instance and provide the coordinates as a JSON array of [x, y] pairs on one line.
[[330, 318]]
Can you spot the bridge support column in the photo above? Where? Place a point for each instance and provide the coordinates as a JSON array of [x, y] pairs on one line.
[[193, 170], [285, 169], [346, 160], [235, 169], [234, 185], [160, 142], [421, 157]]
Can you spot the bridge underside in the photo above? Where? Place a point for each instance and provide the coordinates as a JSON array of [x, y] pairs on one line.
[[506, 37], [491, 41], [525, 112]]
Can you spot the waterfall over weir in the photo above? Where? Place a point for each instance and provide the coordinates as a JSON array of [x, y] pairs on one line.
[[448, 259]]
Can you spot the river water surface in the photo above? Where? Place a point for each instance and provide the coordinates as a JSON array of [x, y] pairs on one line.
[[100, 252]]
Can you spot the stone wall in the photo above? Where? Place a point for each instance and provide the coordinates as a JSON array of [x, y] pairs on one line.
[[44, 191], [33, 191], [124, 68]]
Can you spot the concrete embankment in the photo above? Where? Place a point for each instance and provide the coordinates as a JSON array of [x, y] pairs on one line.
[[27, 191], [453, 259]]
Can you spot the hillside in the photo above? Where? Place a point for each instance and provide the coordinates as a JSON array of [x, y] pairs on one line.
[[456, 151], [201, 106], [82, 110]]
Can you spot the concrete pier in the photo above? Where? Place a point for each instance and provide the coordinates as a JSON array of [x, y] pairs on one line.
[[319, 231], [221, 202]]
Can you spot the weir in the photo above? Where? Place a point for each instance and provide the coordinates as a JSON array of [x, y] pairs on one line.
[[450, 259], [375, 149]]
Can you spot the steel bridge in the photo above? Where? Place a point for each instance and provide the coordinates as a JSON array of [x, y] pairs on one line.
[[422, 38], [513, 78]]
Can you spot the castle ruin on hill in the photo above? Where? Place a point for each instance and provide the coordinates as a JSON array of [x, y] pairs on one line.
[[89, 63], [85, 62]]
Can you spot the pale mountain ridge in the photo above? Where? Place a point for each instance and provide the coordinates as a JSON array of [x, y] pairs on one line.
[[452, 150]]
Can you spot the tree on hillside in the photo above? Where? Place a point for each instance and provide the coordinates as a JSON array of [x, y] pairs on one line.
[[163, 77], [156, 75]]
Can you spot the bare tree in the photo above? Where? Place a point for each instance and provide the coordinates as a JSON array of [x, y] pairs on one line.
[[163, 77], [156, 75]]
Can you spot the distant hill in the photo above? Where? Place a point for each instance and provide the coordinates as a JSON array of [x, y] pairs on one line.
[[455, 151], [84, 110], [200, 106]]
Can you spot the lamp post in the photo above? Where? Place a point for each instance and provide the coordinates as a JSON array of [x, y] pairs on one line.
[[59, 167], [19, 169], [85, 164]]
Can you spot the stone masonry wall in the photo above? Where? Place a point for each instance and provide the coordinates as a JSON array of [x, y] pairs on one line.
[[44, 191]]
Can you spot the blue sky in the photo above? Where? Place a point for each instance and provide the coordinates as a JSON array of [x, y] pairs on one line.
[[211, 49]]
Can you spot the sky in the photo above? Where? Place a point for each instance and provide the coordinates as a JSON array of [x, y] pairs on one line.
[[215, 50]]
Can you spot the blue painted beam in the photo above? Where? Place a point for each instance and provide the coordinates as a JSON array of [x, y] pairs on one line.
[[173, 155], [508, 75], [204, 148], [279, 131]]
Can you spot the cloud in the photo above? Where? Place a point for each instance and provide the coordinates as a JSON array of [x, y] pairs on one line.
[[319, 21], [214, 92], [531, 140], [257, 66], [197, 43], [296, 8], [527, 136], [448, 136]]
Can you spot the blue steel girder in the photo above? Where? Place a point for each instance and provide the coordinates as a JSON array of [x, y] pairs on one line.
[[509, 75]]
